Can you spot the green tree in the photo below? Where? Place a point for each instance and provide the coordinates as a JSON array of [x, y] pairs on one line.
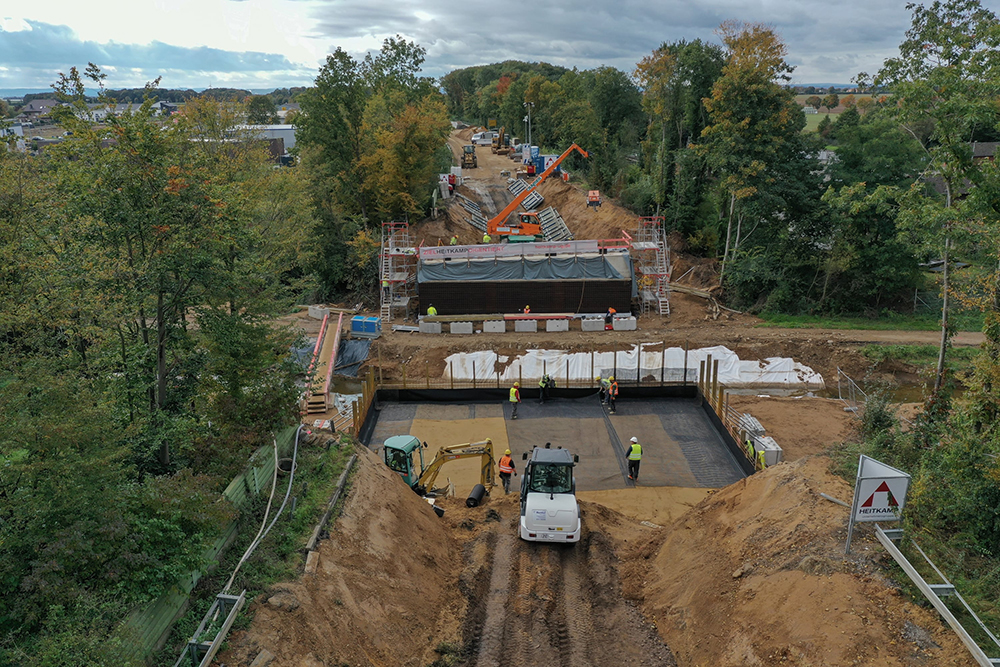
[[814, 101], [261, 110], [831, 101], [947, 74]]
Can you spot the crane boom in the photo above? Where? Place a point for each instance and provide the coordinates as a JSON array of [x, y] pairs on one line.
[[498, 220]]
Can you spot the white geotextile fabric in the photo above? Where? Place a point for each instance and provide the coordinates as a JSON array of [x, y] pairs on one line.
[[584, 366]]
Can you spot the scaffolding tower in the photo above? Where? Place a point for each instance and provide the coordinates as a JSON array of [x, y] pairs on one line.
[[652, 262], [397, 270]]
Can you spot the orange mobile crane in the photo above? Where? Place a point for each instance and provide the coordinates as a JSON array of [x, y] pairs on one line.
[[524, 224]]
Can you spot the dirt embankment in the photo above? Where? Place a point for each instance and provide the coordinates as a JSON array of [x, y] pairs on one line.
[[756, 575]]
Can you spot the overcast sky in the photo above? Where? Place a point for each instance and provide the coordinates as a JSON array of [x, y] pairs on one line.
[[278, 43]]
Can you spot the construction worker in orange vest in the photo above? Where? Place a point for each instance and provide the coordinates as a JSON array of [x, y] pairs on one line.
[[612, 394], [507, 469], [515, 398]]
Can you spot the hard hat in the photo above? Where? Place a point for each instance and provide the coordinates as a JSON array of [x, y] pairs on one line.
[[488, 441], [597, 379], [635, 439], [517, 384], [507, 452], [612, 378]]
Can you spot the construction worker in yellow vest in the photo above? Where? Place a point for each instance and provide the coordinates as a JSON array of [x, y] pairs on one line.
[[507, 469], [612, 394], [487, 238], [634, 457], [603, 385], [431, 310], [544, 385], [751, 452], [385, 288], [515, 398], [761, 461], [454, 241]]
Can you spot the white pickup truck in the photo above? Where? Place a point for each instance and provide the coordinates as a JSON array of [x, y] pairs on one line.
[[484, 138], [549, 510]]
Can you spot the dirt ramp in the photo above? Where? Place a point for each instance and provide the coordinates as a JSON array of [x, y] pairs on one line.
[[756, 575], [383, 580], [606, 222]]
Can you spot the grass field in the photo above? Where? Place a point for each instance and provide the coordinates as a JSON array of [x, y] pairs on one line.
[[961, 321], [814, 119]]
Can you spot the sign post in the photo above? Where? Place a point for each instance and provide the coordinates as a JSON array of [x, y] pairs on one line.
[[879, 494]]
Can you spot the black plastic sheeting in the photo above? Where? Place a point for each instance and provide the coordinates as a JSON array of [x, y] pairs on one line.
[[549, 296], [548, 268], [350, 356]]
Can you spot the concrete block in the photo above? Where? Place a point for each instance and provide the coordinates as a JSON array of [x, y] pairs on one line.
[[263, 659], [495, 326], [318, 312], [557, 325], [593, 324], [430, 327], [526, 326], [624, 323], [461, 327], [312, 562]]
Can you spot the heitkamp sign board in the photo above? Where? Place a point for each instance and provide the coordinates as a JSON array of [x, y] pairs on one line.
[[879, 494]]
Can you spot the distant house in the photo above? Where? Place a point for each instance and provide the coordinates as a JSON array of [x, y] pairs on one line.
[[12, 137], [101, 111], [984, 150], [38, 109], [285, 132], [810, 110]]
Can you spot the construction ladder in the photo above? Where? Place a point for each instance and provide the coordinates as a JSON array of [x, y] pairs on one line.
[[652, 258], [397, 267]]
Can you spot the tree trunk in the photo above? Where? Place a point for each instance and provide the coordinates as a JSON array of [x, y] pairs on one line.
[[729, 232], [161, 371], [939, 375]]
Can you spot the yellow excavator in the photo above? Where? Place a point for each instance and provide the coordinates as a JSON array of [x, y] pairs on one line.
[[401, 451], [499, 145]]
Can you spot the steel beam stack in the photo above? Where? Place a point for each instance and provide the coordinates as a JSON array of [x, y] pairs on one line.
[[553, 226], [532, 201]]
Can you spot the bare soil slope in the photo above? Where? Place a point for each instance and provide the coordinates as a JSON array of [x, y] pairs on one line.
[[756, 575], [384, 579]]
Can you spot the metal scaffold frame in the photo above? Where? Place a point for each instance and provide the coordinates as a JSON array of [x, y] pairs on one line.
[[397, 270], [652, 262]]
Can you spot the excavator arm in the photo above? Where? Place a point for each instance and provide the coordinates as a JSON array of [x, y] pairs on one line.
[[483, 450], [498, 221]]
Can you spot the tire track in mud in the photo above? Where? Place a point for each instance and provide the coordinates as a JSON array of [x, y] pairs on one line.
[[491, 644], [553, 605]]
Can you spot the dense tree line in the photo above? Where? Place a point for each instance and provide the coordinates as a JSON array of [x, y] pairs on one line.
[[143, 264], [372, 141]]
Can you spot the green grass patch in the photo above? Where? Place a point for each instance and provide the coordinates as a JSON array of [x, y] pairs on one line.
[[888, 322], [279, 557], [926, 356], [814, 119]]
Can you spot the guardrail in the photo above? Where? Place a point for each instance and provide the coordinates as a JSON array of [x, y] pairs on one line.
[[934, 593]]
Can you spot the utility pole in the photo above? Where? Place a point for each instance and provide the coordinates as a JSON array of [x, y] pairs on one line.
[[528, 106]]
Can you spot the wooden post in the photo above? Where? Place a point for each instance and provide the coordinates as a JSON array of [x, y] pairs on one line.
[[520, 377], [708, 378], [567, 372], [544, 367], [614, 367], [381, 380], [404, 375], [685, 362], [427, 373], [663, 362], [701, 377], [473, 374], [592, 367], [498, 378], [715, 382], [451, 372]]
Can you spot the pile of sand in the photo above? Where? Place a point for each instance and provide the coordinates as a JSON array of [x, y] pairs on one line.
[[756, 575], [384, 577]]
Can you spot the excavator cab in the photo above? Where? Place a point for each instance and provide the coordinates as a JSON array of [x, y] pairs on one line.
[[400, 453]]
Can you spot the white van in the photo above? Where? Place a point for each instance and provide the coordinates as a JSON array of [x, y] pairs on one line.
[[484, 138]]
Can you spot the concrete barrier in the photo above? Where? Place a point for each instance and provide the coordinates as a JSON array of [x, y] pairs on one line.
[[430, 327], [624, 324], [494, 326], [461, 327], [318, 312], [526, 326], [592, 325], [557, 325]]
